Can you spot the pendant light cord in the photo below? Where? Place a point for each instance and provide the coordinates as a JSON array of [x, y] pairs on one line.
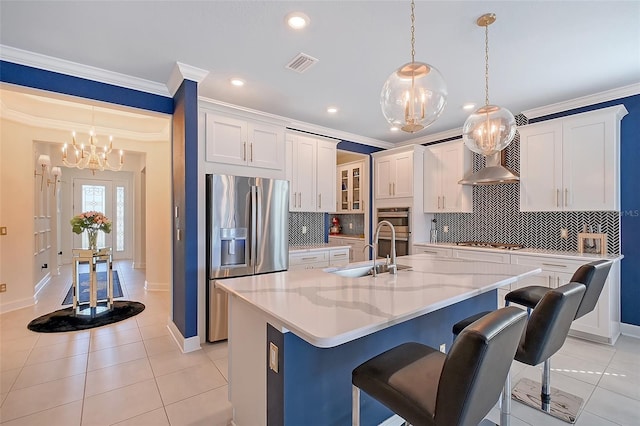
[[413, 31], [486, 64]]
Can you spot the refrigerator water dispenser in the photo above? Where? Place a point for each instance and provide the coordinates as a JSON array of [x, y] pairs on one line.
[[233, 246]]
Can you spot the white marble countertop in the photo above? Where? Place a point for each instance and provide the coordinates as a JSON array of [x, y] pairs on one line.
[[327, 310], [314, 247], [347, 236], [571, 255]]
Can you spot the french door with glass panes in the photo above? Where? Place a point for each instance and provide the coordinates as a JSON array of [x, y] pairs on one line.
[[112, 199]]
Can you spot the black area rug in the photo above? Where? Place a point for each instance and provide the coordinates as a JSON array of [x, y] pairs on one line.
[[102, 288], [67, 320]]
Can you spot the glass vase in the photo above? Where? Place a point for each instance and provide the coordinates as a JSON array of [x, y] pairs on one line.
[[92, 235]]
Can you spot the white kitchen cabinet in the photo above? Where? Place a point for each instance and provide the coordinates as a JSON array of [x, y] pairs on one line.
[[238, 141], [339, 256], [481, 255], [309, 260], [572, 163], [487, 256], [603, 323], [394, 174], [319, 258], [444, 165], [351, 187], [311, 171], [357, 253], [431, 250]]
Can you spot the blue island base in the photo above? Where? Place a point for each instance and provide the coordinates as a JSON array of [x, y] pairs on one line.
[[313, 385]]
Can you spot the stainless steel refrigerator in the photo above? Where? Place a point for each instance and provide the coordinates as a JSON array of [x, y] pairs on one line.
[[247, 234]]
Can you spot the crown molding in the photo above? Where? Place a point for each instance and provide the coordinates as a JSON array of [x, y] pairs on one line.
[[49, 63], [608, 95], [338, 134], [66, 126], [446, 134], [183, 72], [215, 105]]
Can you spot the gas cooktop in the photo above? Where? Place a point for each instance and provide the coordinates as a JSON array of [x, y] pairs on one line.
[[499, 246]]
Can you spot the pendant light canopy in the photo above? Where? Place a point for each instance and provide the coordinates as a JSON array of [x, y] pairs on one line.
[[415, 94], [490, 128]]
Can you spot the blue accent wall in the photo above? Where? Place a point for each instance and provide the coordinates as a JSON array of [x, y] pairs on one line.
[[185, 199], [630, 202], [36, 78]]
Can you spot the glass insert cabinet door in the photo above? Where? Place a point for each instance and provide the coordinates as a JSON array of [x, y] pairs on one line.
[[344, 189], [350, 179]]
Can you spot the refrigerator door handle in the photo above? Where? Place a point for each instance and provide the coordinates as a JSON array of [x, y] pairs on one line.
[[258, 229], [254, 208]]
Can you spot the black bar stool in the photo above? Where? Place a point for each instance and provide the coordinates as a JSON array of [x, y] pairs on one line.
[[593, 275], [546, 332], [427, 387]]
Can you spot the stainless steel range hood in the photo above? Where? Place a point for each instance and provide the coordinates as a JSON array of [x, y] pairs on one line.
[[494, 173]]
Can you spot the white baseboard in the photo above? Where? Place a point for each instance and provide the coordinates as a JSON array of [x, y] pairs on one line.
[[16, 304], [156, 286], [138, 265], [42, 284], [630, 330], [189, 344]]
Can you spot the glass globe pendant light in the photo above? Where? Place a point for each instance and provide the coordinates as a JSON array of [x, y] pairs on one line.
[[415, 94], [490, 128]]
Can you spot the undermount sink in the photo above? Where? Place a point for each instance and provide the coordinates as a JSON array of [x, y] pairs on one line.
[[362, 270]]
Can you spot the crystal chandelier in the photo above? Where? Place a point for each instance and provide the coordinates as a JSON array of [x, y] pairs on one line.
[[91, 157], [490, 128], [415, 94]]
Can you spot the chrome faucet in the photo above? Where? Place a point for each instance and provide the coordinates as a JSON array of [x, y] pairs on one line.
[[393, 269], [373, 269]]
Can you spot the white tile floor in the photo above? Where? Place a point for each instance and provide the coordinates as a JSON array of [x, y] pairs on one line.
[[128, 373], [132, 373]]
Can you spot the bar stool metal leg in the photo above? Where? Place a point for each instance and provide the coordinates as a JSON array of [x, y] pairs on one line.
[[355, 405], [505, 403]]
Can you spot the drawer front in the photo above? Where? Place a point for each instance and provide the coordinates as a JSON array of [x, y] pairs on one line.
[[550, 264], [432, 251], [485, 256], [307, 258], [339, 257]]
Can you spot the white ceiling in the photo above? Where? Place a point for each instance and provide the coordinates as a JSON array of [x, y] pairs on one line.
[[541, 52]]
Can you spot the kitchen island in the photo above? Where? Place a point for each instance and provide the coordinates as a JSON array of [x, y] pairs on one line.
[[295, 336]]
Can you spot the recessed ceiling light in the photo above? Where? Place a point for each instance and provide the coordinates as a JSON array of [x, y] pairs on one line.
[[332, 110], [468, 106], [394, 129], [297, 20], [238, 82]]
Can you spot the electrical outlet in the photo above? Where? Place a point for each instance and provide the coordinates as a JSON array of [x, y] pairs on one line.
[[273, 357], [445, 228], [304, 229], [3, 230], [443, 348], [350, 225], [3, 287], [564, 233], [44, 266]]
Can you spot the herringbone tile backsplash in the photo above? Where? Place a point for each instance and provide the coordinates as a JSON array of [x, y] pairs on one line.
[[315, 226], [497, 218]]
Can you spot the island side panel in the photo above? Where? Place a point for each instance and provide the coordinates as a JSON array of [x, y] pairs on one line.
[[247, 363], [317, 381]]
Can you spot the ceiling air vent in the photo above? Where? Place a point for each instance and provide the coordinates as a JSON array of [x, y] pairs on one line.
[[301, 62]]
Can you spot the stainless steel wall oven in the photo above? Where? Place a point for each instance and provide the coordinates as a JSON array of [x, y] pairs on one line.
[[401, 221]]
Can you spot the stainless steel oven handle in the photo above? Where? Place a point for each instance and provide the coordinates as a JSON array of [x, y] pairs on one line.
[[397, 238]]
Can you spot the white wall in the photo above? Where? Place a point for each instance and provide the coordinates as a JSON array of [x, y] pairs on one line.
[[19, 268]]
